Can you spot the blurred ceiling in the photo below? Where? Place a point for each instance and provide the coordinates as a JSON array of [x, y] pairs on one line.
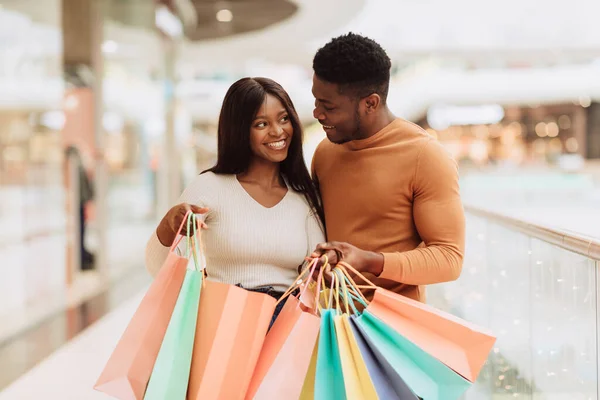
[[133, 13], [290, 41], [467, 51], [219, 18]]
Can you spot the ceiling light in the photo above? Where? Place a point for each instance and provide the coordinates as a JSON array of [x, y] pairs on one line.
[[224, 15]]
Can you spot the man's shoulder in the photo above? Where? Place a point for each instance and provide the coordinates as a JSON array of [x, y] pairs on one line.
[[409, 138], [323, 152], [407, 130], [324, 146], [420, 144]]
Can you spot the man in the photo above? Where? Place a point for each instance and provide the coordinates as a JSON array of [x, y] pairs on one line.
[[390, 191]]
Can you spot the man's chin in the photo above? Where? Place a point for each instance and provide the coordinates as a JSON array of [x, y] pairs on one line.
[[336, 139]]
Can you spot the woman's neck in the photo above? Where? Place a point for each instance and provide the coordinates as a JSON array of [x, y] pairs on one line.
[[263, 173]]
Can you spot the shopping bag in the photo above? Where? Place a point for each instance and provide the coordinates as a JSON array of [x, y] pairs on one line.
[[329, 378], [231, 328], [308, 388], [357, 383], [170, 376], [286, 353], [460, 345], [388, 384], [427, 377], [357, 380], [366, 373], [169, 379], [128, 369]]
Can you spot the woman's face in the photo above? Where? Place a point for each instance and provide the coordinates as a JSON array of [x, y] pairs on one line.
[[271, 131]]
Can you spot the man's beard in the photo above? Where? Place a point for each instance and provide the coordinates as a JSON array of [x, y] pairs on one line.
[[357, 134]]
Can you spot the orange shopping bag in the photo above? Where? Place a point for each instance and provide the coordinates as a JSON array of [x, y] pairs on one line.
[[231, 328], [128, 369], [286, 354], [460, 345]]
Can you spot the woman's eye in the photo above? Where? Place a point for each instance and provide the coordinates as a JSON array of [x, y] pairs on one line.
[[261, 124], [285, 118]]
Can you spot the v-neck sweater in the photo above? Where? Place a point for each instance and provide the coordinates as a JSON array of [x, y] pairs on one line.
[[247, 243]]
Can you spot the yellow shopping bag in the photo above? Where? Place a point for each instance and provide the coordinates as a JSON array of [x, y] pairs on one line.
[[308, 389], [357, 380], [356, 376]]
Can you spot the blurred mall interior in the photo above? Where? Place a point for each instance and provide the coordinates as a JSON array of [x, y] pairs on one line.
[[109, 107]]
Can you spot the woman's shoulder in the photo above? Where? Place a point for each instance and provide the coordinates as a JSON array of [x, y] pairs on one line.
[[208, 187], [210, 180]]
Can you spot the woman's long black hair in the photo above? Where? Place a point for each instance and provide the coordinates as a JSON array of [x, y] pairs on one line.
[[242, 102]]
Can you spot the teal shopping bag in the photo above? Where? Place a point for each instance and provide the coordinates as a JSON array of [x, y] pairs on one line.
[[171, 373], [169, 379], [426, 376], [329, 379]]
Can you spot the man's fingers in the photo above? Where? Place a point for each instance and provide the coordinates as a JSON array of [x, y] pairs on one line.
[[330, 256], [323, 246], [329, 246]]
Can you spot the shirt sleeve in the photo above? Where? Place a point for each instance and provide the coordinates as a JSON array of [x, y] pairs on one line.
[[156, 253], [439, 218]]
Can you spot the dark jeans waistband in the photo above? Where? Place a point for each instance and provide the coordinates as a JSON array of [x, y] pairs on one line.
[[267, 290]]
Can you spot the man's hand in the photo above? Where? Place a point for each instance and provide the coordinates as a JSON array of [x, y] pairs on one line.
[[362, 260]]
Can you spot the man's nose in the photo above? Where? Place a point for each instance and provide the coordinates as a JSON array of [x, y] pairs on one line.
[[318, 114]]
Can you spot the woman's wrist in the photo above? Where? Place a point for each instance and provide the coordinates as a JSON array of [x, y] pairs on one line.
[[165, 234]]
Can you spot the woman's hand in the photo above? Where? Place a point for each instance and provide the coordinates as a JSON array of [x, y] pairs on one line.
[[167, 229]]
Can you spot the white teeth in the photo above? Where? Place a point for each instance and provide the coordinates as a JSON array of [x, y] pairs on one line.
[[328, 127], [277, 145]]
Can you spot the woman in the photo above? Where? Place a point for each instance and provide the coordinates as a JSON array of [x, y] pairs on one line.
[[260, 207]]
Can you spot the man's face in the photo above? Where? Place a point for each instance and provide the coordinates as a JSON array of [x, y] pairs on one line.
[[337, 113]]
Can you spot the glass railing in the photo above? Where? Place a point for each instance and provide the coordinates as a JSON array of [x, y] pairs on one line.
[[537, 289]]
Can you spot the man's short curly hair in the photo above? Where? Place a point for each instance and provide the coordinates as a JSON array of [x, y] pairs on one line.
[[356, 63]]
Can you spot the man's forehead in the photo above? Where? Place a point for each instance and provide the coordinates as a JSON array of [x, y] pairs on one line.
[[324, 91]]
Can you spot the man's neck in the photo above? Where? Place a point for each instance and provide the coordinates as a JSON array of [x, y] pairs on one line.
[[380, 121]]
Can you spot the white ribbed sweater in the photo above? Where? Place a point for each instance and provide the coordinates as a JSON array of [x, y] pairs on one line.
[[246, 243]]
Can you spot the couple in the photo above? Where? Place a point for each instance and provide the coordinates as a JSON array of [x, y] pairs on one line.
[[385, 192]]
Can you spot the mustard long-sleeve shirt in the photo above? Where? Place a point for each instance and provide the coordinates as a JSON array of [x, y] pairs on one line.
[[396, 193]]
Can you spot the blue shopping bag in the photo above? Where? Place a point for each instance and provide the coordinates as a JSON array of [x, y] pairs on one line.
[[426, 376], [388, 384]]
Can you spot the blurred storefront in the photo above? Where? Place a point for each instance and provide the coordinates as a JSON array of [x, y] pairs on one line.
[[99, 107], [514, 135]]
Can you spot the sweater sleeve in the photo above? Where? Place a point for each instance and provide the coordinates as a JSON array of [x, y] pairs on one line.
[[439, 219], [156, 253]]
